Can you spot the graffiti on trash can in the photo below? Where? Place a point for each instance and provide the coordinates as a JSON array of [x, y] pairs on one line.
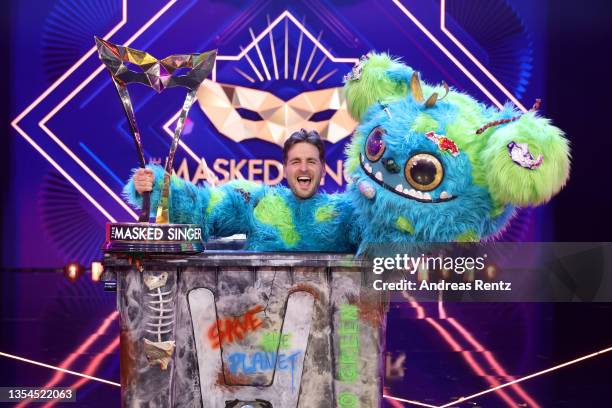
[[348, 353], [348, 343], [272, 341], [231, 329], [261, 362]]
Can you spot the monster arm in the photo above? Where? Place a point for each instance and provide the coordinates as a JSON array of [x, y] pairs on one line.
[[528, 162], [348, 230], [221, 211]]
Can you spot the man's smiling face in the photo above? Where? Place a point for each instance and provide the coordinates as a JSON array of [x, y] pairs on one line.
[[303, 169]]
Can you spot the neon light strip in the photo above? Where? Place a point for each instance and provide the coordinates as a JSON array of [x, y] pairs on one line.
[[74, 157], [261, 58], [445, 334], [324, 77], [415, 305], [71, 69], [277, 20], [447, 53], [469, 359], [420, 404], [64, 173], [497, 367], [46, 93], [314, 73], [244, 75], [272, 47], [80, 350], [493, 362], [297, 56], [37, 363], [527, 377], [101, 163], [212, 179], [473, 58], [91, 367], [190, 152], [312, 53], [78, 89], [392, 402], [253, 66], [286, 47]]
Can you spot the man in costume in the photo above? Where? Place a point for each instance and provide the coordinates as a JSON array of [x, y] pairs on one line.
[[298, 218]]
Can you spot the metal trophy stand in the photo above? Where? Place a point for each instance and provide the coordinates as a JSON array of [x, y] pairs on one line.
[[161, 236]]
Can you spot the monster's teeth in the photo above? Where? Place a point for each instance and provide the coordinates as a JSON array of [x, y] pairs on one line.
[[444, 195], [426, 196], [412, 192], [399, 188], [378, 176], [368, 167], [419, 194]]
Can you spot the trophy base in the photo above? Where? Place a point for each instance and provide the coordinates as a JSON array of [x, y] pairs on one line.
[[153, 238]]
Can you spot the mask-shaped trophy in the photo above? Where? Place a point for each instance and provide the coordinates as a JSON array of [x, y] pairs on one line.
[[158, 74]]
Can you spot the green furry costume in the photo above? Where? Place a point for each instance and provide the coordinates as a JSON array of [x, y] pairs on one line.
[[428, 164]]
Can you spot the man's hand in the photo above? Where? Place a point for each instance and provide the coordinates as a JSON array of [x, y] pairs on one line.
[[143, 180]]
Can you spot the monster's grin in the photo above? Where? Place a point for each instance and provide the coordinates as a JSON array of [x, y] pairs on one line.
[[400, 189]]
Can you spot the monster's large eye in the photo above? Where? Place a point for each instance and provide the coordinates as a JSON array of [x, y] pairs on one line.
[[424, 172], [375, 145]]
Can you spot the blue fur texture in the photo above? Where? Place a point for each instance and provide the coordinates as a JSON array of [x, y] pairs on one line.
[[273, 218], [482, 202]]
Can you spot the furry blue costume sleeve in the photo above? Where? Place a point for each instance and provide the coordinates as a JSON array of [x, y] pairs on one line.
[[273, 218], [431, 164]]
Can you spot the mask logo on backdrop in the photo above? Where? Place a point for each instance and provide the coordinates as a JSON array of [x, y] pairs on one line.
[[284, 80]]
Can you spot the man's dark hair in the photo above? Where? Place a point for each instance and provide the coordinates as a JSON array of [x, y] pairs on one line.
[[303, 136]]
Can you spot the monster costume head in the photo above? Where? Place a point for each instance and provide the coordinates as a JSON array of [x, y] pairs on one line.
[[430, 164]]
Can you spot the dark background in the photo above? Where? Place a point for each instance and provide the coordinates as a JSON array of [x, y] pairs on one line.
[[579, 63]]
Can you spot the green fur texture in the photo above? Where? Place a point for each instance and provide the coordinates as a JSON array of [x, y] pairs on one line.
[[374, 85], [325, 213], [520, 186], [404, 225], [274, 211], [215, 198]]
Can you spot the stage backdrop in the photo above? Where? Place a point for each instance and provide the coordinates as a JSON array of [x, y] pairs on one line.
[[279, 68]]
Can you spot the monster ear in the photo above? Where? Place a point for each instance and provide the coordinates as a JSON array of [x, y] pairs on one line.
[[528, 161], [376, 78]]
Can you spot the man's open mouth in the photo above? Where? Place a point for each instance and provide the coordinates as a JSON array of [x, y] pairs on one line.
[[405, 191], [304, 181]]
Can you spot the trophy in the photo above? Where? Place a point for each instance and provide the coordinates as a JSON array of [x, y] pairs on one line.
[[158, 237]]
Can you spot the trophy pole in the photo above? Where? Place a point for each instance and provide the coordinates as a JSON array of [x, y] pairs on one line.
[[162, 208], [126, 102]]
